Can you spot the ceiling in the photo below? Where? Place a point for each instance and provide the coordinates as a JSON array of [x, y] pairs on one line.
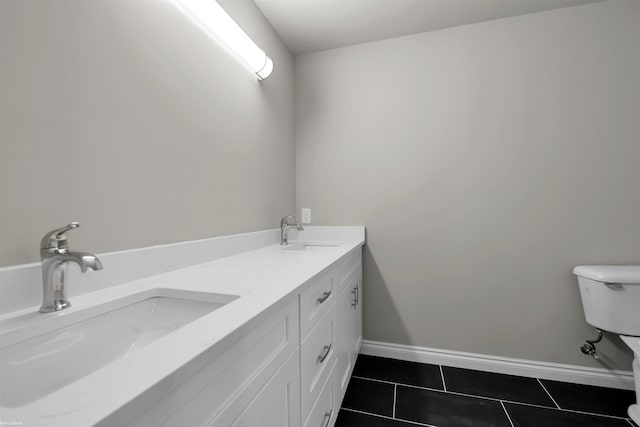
[[313, 25]]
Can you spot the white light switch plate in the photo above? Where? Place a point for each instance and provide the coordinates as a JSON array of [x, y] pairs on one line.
[[306, 215]]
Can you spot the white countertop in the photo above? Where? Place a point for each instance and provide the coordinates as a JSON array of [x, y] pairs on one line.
[[262, 278]]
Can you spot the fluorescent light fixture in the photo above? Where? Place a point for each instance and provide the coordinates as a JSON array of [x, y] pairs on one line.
[[213, 20]]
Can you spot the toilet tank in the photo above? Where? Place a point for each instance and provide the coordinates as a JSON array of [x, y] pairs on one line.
[[611, 297]]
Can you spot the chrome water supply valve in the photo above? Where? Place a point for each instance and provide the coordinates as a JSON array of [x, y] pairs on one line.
[[590, 347]]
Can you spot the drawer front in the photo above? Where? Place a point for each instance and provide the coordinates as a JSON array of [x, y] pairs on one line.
[[317, 357], [325, 411], [315, 301]]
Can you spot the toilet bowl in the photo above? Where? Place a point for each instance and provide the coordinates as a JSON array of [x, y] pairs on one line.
[[611, 300], [634, 344]]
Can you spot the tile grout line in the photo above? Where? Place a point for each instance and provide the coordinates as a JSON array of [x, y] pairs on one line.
[[547, 391], [395, 388], [491, 398], [388, 418], [357, 411], [507, 413], [442, 376]]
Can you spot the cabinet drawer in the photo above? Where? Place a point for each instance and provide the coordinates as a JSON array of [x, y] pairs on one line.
[[317, 357], [315, 301], [325, 412]]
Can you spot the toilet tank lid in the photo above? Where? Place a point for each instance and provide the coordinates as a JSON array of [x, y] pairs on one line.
[[609, 273]]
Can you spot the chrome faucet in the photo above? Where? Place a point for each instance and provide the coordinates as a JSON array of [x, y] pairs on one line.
[[55, 255], [285, 227]]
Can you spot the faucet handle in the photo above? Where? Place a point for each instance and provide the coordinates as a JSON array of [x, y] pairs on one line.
[[56, 239], [285, 220]]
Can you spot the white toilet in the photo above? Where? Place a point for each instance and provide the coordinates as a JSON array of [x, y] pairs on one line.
[[611, 300], [634, 343]]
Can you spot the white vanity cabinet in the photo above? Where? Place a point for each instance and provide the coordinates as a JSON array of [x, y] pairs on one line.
[[289, 368]]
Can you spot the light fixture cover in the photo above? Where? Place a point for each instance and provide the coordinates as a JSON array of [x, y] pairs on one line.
[[216, 22]]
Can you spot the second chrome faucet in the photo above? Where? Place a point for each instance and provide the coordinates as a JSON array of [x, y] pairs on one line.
[[285, 227], [55, 256]]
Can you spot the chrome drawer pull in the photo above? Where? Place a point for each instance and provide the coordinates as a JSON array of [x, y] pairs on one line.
[[324, 297], [325, 353], [328, 416]]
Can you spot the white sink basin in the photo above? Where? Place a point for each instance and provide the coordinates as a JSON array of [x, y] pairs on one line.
[[74, 345], [304, 246]]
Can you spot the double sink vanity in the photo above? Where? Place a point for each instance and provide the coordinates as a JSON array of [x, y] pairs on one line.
[[260, 335]]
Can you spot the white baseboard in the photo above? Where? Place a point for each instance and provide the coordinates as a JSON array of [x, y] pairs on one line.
[[502, 365]]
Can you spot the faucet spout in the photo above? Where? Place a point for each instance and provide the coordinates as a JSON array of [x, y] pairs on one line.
[[85, 260]]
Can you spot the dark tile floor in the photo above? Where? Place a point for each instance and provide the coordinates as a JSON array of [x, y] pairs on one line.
[[394, 393]]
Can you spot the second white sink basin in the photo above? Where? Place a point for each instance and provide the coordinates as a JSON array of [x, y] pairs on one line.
[[77, 344], [305, 246]]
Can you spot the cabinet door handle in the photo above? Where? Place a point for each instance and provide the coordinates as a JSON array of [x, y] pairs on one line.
[[328, 416], [325, 352], [324, 297], [354, 303], [357, 294]]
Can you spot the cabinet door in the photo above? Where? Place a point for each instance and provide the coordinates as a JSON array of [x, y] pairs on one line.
[[344, 365], [278, 403], [355, 321], [215, 387]]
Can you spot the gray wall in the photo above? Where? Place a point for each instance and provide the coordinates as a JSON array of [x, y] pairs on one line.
[[123, 115], [486, 162]]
